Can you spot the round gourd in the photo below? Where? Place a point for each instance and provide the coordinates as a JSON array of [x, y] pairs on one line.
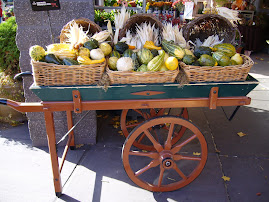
[[106, 48], [221, 58], [144, 56], [115, 54], [142, 68], [188, 59], [112, 63], [128, 53], [207, 60], [37, 53], [227, 48]]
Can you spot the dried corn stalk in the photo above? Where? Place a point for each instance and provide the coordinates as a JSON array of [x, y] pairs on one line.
[[172, 33], [231, 15], [120, 19]]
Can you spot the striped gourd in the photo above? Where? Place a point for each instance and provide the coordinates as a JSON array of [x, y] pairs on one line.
[[173, 49], [227, 48], [156, 62]]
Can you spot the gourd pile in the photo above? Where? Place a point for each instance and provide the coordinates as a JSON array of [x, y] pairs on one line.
[[80, 49]]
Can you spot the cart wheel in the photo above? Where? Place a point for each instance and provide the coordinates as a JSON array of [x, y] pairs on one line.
[[169, 167], [144, 114]]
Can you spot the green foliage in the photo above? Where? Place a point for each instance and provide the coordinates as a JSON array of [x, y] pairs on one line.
[[9, 53]]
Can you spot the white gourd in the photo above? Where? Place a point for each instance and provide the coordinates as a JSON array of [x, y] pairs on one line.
[[97, 54], [125, 64]]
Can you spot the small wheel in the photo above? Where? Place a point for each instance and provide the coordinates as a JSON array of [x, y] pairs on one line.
[[144, 114], [169, 167]]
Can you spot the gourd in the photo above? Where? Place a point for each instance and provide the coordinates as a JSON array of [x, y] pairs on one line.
[[112, 63], [106, 48], [51, 58], [125, 64], [238, 59], [144, 56], [207, 60], [83, 52], [188, 52], [84, 60], [69, 62], [150, 45], [188, 59], [121, 47], [154, 52], [173, 50], [115, 54], [142, 68], [227, 48], [156, 62], [221, 58], [201, 50], [97, 54], [37, 53], [135, 60], [128, 53], [90, 44]]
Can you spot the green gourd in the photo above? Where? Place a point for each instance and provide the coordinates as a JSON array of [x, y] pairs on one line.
[[173, 49], [156, 62]]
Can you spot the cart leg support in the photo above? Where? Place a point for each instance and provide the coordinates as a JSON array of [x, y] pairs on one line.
[[53, 153], [70, 125]]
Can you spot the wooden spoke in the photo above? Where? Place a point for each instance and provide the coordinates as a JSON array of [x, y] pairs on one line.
[[179, 172], [161, 176], [160, 112], [133, 125], [178, 157], [141, 113], [178, 147], [168, 144], [141, 138], [152, 155], [156, 145], [156, 135], [152, 112], [152, 164]]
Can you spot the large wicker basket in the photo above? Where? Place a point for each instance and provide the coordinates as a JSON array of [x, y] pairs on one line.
[[48, 74], [126, 77], [210, 24], [85, 23], [218, 73], [138, 19]]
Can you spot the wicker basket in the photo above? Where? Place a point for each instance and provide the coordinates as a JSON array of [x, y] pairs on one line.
[[48, 74], [138, 19], [218, 73], [122, 77], [210, 24], [85, 23]]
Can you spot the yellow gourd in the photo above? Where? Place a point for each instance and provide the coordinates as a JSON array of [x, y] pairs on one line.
[[84, 60], [150, 45]]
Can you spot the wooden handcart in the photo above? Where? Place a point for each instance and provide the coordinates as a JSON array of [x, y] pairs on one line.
[[154, 154]]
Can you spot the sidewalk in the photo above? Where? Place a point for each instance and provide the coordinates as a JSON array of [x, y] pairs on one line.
[[95, 173]]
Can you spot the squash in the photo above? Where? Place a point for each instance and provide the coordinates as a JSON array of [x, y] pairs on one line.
[[84, 52], [154, 52], [106, 48], [135, 61], [142, 68], [238, 59], [150, 45], [112, 63], [97, 54], [37, 53], [201, 50], [128, 53], [115, 54], [156, 62], [69, 62], [125, 64], [221, 58], [90, 45], [227, 48], [121, 47], [51, 58], [144, 56], [84, 60], [173, 50], [207, 60], [188, 59]]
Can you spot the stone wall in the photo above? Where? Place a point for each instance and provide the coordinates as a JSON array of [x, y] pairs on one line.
[[43, 28]]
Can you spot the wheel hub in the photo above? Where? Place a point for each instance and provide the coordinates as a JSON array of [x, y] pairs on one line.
[[166, 159]]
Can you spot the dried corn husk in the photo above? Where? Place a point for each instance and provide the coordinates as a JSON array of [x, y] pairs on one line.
[[231, 15], [172, 33], [101, 36], [75, 35], [62, 50]]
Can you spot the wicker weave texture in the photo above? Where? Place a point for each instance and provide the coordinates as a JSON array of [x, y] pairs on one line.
[[218, 73], [85, 23], [48, 74], [207, 25], [138, 19], [122, 77]]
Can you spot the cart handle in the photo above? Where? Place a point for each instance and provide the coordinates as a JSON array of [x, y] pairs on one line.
[[3, 101], [20, 75]]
